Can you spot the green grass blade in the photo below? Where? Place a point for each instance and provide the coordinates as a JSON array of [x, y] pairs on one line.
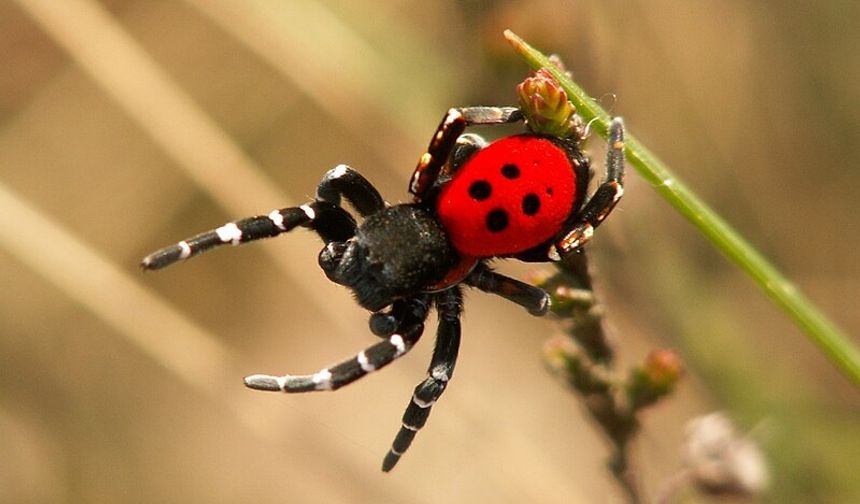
[[824, 333]]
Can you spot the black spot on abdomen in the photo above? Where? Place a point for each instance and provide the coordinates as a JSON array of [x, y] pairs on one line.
[[497, 220], [511, 171], [480, 190], [531, 204]]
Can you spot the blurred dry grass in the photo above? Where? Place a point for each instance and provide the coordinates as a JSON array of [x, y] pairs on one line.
[[125, 125]]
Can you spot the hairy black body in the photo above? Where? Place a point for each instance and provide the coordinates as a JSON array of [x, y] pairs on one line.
[[396, 252]]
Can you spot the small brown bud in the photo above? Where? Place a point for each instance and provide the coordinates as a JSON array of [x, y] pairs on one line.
[[663, 368]]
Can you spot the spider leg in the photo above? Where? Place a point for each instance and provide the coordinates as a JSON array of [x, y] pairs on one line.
[[371, 359], [488, 116], [534, 299], [468, 144], [344, 181], [449, 304], [444, 140], [602, 202], [324, 216], [383, 323], [330, 221]]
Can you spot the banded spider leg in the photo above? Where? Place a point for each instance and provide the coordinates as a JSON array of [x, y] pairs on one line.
[[371, 359], [324, 215]]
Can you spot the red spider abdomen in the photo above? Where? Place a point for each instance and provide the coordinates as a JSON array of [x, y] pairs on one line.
[[509, 197]]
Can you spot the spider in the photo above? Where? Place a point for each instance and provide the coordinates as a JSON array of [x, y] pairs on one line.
[[522, 197]]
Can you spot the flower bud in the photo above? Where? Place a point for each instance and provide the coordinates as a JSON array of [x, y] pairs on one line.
[[546, 107], [663, 368]]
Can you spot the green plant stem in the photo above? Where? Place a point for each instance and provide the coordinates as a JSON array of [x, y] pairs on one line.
[[824, 333]]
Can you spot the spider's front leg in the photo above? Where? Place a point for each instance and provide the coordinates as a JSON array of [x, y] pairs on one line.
[[324, 215], [371, 359], [328, 220], [601, 202], [453, 125], [330, 258], [344, 181], [449, 304], [385, 322]]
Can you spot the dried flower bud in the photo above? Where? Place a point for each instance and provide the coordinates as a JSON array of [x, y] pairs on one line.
[[721, 460], [546, 107]]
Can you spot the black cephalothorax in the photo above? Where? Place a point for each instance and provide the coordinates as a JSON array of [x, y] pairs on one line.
[[395, 252]]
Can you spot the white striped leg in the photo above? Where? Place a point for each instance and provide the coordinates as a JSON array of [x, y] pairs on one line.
[[602, 202], [449, 305], [371, 359], [444, 140], [330, 222], [344, 181], [467, 146]]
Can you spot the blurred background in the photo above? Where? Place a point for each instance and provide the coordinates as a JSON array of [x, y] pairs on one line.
[[126, 125]]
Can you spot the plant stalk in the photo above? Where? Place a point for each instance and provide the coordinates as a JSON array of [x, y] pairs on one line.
[[830, 339]]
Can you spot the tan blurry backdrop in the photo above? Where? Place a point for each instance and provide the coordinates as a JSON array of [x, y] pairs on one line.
[[126, 125]]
